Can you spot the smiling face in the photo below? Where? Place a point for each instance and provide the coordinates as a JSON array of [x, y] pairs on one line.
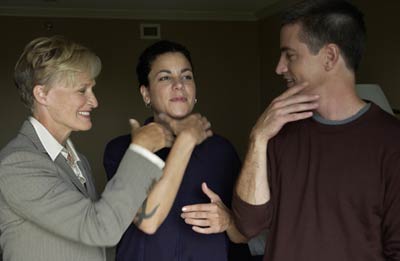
[[66, 107], [297, 64], [171, 89]]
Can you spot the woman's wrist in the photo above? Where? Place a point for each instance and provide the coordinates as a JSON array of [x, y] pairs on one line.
[[187, 137]]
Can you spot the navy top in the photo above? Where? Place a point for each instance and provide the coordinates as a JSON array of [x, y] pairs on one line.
[[215, 162]]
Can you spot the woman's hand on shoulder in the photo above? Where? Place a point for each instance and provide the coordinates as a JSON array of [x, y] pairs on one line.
[[152, 136]]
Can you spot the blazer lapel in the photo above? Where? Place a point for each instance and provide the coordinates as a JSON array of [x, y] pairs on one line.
[[68, 173], [28, 131], [89, 181], [65, 170]]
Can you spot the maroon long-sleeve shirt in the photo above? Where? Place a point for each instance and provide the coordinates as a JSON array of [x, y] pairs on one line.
[[335, 191]]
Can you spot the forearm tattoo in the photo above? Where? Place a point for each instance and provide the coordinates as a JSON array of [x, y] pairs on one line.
[[141, 215]]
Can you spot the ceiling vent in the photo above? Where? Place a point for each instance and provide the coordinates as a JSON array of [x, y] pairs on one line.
[[150, 31]]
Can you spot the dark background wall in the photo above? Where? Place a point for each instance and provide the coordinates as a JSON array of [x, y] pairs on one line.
[[234, 66], [227, 73], [380, 63]]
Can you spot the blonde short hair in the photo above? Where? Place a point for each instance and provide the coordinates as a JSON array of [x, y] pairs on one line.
[[47, 60]]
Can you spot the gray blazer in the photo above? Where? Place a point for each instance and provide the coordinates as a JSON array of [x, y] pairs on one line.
[[47, 215]]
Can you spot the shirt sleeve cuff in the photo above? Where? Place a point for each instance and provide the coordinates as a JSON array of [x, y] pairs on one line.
[[148, 155]]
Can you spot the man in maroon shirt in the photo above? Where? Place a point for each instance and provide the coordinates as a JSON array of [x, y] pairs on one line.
[[322, 171]]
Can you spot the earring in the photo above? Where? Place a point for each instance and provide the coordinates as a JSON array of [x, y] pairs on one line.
[[148, 104], [327, 66], [195, 100]]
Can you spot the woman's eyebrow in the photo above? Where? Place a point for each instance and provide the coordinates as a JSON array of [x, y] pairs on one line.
[[163, 71], [186, 70]]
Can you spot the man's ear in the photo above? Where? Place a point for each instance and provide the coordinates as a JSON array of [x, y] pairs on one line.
[[145, 94], [332, 54], [40, 94]]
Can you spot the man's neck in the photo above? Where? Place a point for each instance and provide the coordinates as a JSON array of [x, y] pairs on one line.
[[339, 101]]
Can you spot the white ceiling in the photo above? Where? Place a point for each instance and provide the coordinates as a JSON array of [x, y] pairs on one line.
[[144, 9]]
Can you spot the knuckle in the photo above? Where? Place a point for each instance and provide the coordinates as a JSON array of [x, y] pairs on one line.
[[275, 99], [277, 104]]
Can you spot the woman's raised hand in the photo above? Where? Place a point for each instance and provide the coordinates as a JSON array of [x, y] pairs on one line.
[[152, 136], [195, 125]]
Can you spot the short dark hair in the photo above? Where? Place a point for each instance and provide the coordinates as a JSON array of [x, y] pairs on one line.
[[330, 21], [150, 54]]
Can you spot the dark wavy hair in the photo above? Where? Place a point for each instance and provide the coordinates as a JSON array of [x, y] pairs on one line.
[[150, 54]]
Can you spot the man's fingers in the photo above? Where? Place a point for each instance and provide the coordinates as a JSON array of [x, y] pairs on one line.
[[294, 100], [298, 116], [299, 107], [292, 91]]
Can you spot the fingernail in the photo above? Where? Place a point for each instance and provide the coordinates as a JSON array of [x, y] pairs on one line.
[[184, 209]]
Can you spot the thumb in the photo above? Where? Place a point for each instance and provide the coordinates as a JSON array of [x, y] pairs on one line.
[[210, 194], [134, 124]]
